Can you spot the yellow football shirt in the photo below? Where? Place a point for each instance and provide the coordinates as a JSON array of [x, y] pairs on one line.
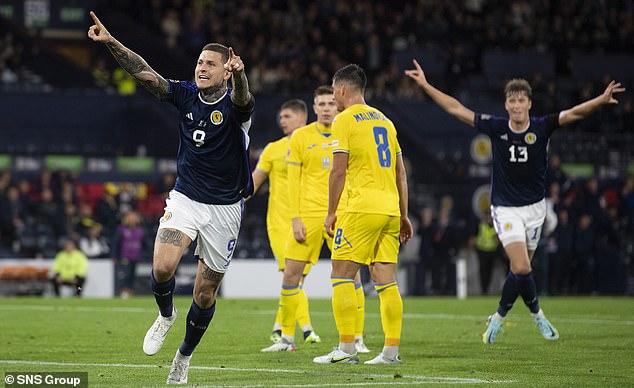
[[309, 163], [369, 139], [273, 162]]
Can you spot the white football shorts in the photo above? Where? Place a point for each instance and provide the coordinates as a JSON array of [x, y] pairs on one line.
[[215, 226], [519, 223]]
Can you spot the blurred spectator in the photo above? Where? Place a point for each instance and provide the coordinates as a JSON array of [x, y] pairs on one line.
[[50, 214], [592, 201], [124, 82], [101, 73], [554, 174], [446, 244], [562, 259], [26, 197], [171, 28], [627, 203], [12, 214], [5, 181], [609, 267], [126, 198], [107, 211], [127, 248], [85, 219], [584, 260], [70, 268], [487, 247], [7, 76], [93, 244], [426, 231]]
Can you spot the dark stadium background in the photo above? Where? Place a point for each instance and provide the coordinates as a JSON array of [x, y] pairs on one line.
[[65, 110]]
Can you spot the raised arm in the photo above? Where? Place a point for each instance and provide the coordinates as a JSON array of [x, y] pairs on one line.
[[445, 101], [129, 60], [582, 110], [239, 83]]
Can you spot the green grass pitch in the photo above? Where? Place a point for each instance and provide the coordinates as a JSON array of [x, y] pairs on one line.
[[441, 344]]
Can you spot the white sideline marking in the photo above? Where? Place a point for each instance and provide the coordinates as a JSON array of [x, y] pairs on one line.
[[88, 309], [455, 317], [418, 379]]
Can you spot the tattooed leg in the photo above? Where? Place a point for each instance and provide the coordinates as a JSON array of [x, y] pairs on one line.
[[206, 285], [169, 247]]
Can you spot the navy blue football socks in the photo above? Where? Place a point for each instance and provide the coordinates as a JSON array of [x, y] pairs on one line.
[[514, 286], [509, 295], [528, 289], [197, 321], [163, 293]]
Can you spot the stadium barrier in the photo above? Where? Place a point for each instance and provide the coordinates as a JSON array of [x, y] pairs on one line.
[[99, 280]]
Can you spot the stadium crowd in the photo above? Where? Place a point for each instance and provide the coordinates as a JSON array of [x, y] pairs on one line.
[[299, 44]]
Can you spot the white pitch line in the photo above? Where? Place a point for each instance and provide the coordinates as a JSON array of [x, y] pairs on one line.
[[87, 309], [417, 379], [454, 317]]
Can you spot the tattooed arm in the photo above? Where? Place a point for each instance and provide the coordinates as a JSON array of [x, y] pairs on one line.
[[240, 85], [129, 60]]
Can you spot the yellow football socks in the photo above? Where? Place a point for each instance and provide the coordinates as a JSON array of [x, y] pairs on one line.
[[303, 316], [344, 306], [391, 312], [360, 321], [289, 300]]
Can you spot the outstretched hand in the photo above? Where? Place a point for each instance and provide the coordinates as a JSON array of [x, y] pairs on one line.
[[98, 31], [417, 74], [610, 90], [234, 63]]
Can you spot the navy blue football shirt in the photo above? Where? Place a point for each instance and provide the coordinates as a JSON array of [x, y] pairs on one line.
[[213, 163], [519, 159]]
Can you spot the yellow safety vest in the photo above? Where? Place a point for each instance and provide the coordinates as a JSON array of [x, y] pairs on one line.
[[487, 239]]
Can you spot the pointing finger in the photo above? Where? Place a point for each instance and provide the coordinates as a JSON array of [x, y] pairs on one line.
[[95, 19]]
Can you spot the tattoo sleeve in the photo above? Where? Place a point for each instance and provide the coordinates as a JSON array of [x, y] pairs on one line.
[[240, 95], [170, 236], [210, 274], [139, 69]]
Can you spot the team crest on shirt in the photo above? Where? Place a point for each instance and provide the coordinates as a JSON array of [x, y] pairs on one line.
[[166, 216], [530, 138], [216, 117], [508, 226]]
